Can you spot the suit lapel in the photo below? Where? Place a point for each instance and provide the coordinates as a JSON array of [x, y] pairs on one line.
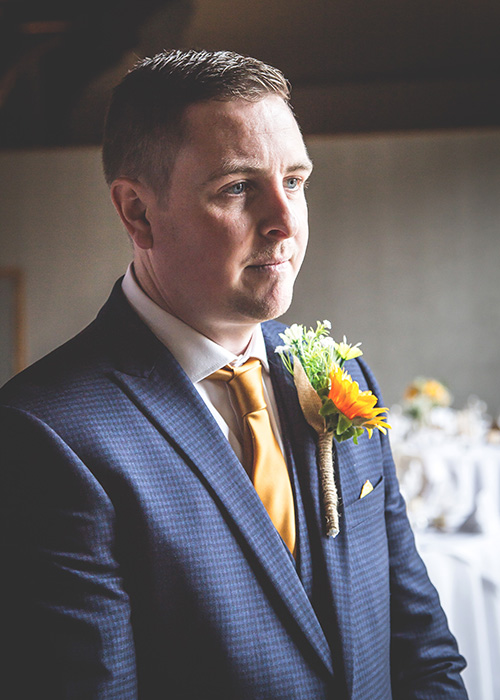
[[155, 382], [335, 552]]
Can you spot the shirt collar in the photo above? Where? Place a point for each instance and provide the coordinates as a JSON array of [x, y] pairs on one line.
[[197, 355]]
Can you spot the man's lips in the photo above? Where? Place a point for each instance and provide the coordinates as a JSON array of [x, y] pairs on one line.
[[274, 264]]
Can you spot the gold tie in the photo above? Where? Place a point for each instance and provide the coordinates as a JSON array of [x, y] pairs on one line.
[[262, 455]]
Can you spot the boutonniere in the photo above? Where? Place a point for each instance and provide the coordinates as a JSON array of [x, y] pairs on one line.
[[331, 401]]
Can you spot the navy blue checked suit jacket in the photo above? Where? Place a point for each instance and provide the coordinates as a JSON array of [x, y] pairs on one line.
[[139, 562]]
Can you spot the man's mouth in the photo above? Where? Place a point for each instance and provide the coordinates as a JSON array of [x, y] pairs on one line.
[[271, 263]]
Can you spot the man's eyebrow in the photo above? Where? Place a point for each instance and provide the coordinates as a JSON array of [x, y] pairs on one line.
[[233, 167], [302, 165]]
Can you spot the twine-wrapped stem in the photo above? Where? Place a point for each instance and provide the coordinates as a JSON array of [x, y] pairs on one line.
[[328, 488], [311, 404]]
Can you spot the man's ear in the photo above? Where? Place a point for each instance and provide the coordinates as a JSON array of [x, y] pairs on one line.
[[131, 200]]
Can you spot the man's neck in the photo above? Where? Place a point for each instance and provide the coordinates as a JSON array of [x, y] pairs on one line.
[[233, 336]]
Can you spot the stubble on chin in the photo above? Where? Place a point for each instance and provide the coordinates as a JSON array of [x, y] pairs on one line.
[[264, 307]]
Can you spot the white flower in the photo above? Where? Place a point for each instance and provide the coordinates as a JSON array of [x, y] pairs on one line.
[[295, 332]]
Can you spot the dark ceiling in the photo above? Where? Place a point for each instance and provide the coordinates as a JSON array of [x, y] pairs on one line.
[[50, 50], [356, 66]]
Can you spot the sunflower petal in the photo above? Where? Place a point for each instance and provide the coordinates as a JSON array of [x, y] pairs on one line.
[[358, 407]]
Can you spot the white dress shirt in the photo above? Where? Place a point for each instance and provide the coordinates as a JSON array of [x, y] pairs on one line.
[[199, 357]]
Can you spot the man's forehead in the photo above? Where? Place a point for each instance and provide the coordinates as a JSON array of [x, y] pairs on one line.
[[235, 131], [266, 116]]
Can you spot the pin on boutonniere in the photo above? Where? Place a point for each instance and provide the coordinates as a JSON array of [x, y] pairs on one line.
[[331, 401]]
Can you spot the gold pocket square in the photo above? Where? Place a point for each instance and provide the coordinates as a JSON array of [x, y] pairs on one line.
[[367, 488]]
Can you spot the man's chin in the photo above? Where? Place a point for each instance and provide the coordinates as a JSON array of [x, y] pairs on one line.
[[266, 308]]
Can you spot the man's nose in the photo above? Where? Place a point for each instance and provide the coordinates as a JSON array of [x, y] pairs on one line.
[[278, 215]]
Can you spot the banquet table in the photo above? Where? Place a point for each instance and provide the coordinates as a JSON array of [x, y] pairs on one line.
[[465, 568], [451, 484]]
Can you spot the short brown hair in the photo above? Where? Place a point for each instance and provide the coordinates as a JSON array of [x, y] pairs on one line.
[[143, 128]]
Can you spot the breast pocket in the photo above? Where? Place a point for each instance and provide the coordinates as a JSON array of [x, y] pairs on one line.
[[366, 508]]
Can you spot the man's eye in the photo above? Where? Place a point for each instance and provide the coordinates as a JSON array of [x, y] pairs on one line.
[[237, 188], [292, 183]]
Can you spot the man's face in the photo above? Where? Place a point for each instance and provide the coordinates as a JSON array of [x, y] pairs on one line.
[[230, 234]]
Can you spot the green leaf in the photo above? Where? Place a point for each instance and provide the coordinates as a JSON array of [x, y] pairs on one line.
[[343, 425], [347, 435], [328, 408]]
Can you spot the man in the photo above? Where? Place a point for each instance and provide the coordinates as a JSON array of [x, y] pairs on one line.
[[142, 560]]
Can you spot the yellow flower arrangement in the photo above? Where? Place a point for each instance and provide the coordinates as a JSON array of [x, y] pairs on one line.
[[434, 391], [423, 394]]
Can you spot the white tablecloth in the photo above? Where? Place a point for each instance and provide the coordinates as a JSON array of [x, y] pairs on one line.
[[465, 568], [450, 483], [450, 477]]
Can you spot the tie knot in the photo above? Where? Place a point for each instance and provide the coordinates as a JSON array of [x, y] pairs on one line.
[[246, 383]]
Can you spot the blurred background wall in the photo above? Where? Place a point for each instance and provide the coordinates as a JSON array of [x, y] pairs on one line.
[[400, 107]]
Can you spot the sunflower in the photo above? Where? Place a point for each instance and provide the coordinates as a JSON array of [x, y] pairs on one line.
[[357, 406]]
